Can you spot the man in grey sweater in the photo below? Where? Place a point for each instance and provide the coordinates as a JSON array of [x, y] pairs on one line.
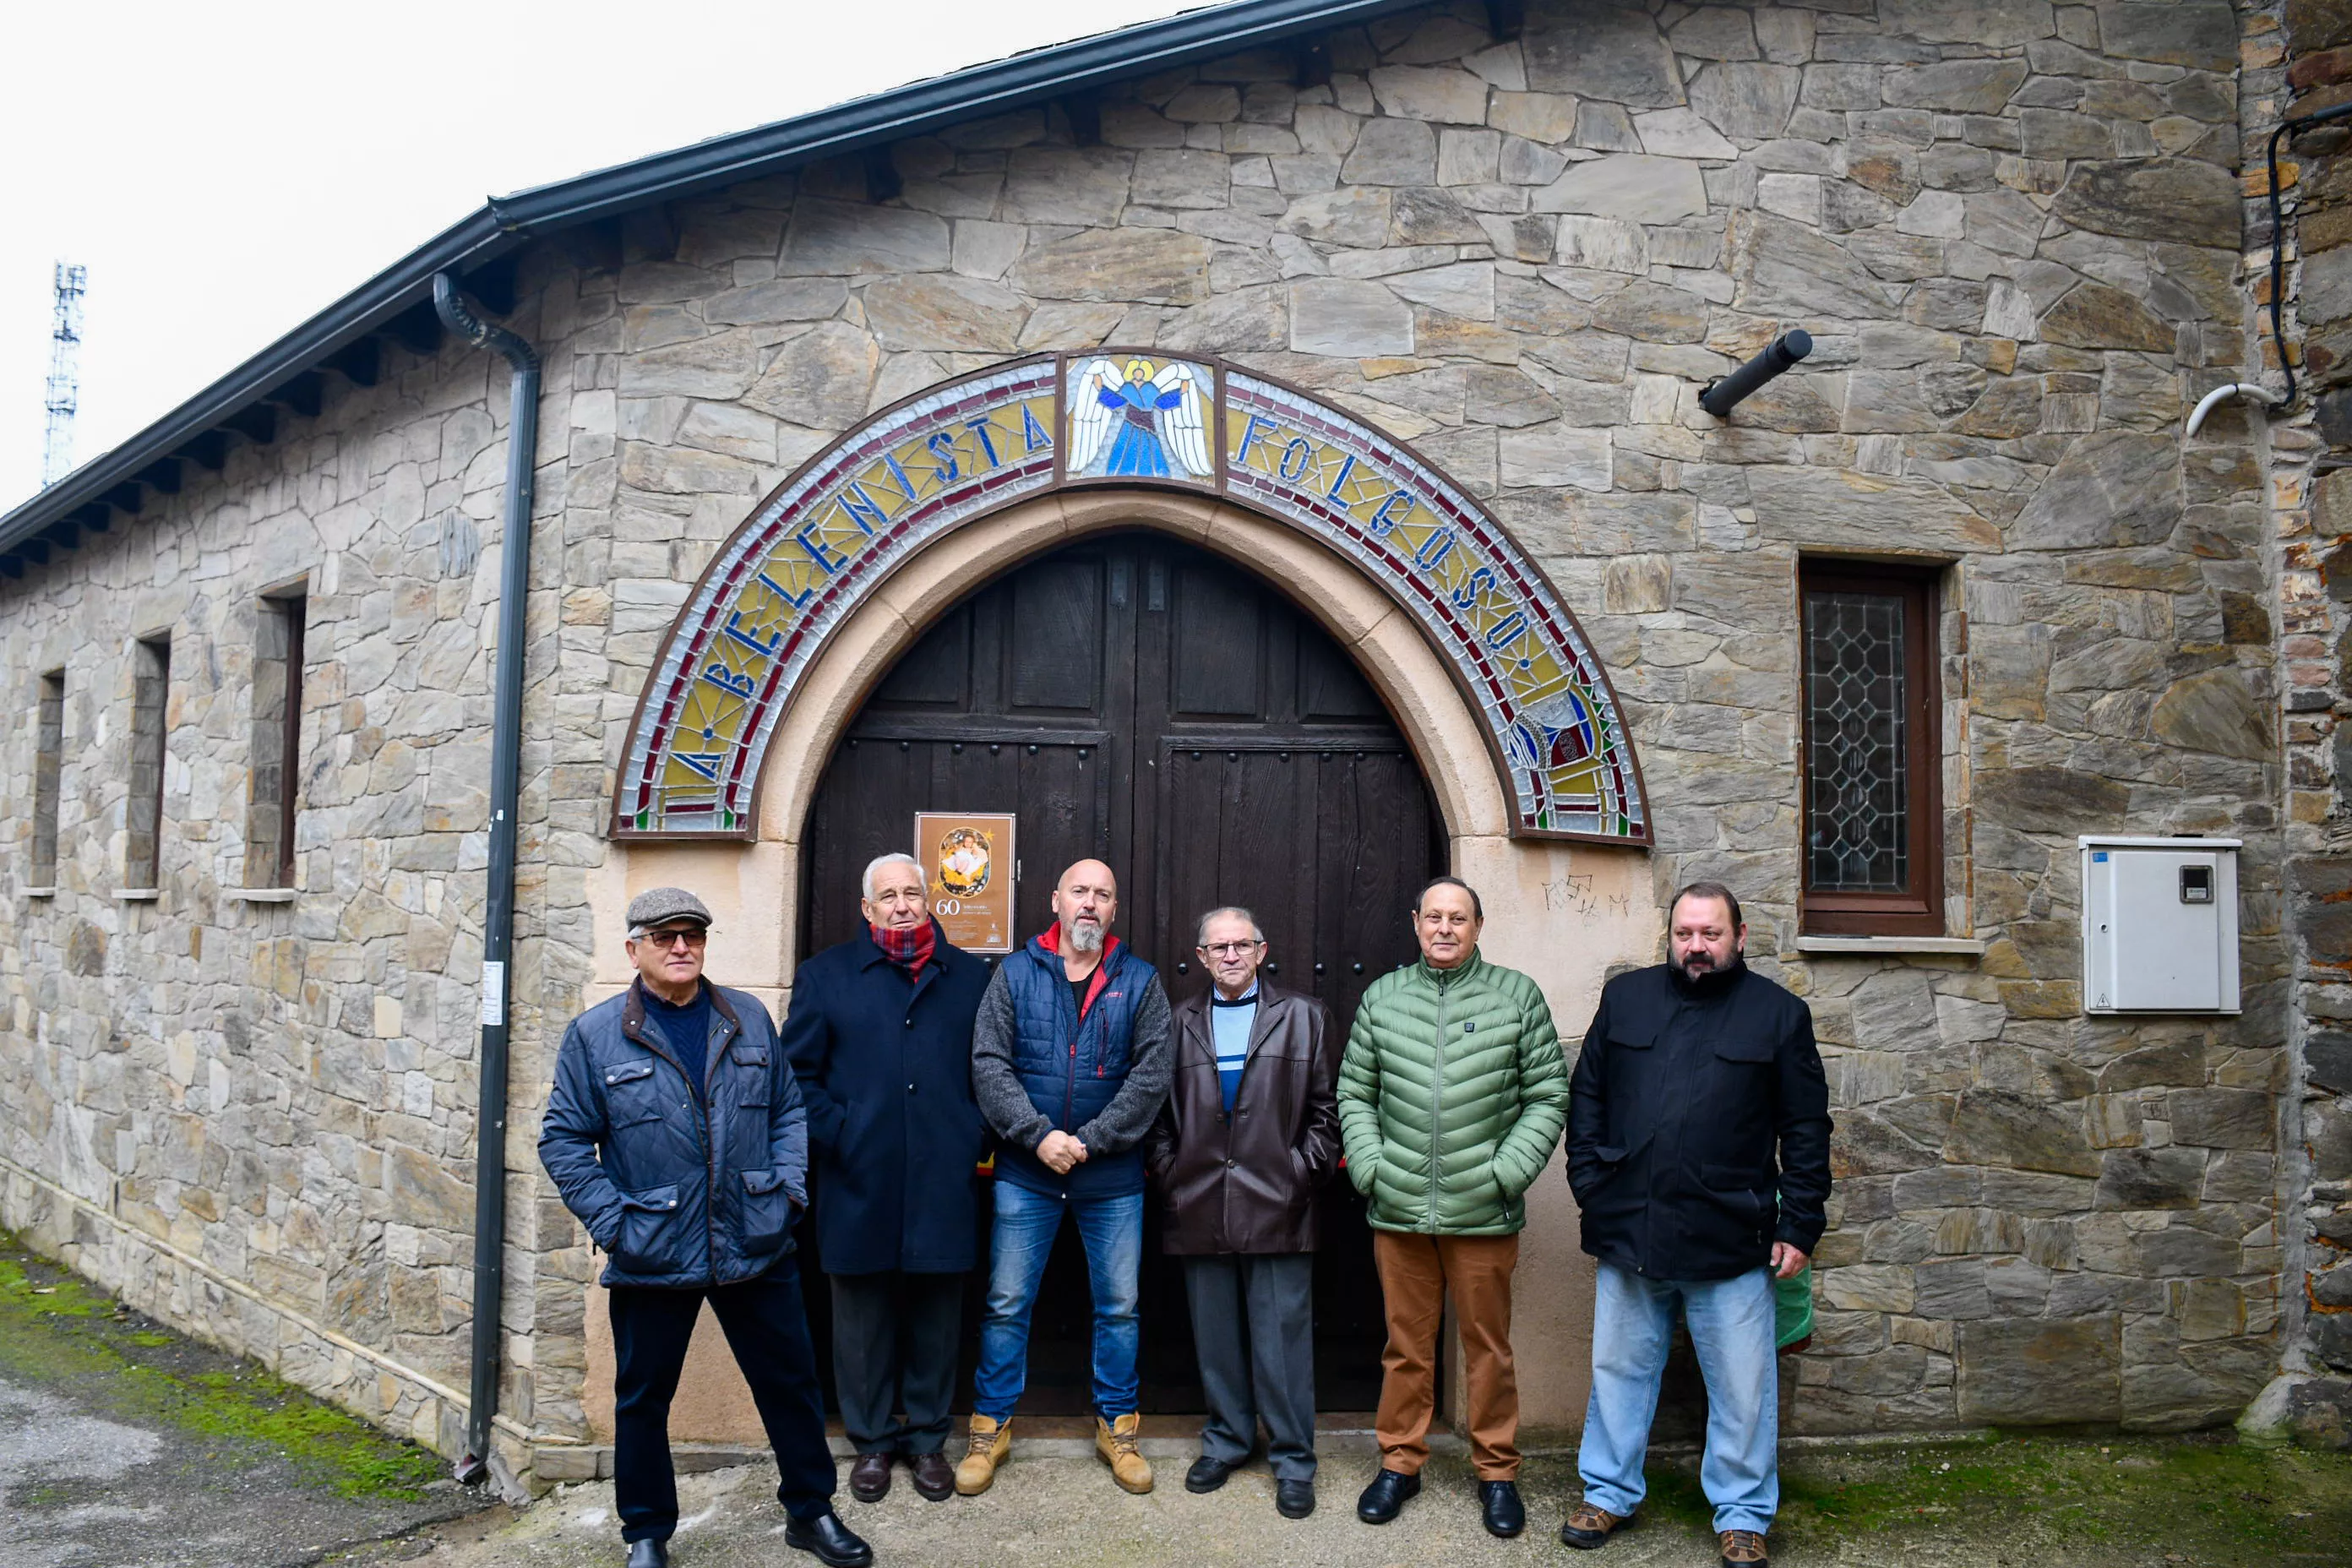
[[1069, 1066]]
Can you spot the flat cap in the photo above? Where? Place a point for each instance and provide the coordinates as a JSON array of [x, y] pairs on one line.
[[657, 906]]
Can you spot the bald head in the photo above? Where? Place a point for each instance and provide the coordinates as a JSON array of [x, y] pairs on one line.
[[1085, 901]]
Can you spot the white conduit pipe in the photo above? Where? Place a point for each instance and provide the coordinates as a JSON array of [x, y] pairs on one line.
[[2205, 404]]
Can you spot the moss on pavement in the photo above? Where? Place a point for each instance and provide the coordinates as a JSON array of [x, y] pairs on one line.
[[59, 1334]]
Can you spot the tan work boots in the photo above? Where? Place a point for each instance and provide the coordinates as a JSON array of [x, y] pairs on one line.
[[986, 1449], [1117, 1444]]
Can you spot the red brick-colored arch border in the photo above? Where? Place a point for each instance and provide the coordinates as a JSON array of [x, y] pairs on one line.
[[818, 545]]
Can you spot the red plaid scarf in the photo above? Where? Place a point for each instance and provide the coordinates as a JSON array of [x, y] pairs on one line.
[[909, 949]]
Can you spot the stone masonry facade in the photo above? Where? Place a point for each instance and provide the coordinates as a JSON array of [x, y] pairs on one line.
[[2299, 62], [2021, 236]]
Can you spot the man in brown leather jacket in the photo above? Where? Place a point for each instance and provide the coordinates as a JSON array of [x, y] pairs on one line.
[[1250, 1130]]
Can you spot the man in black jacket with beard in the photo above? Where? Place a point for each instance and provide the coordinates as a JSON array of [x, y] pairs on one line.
[[1698, 1149]]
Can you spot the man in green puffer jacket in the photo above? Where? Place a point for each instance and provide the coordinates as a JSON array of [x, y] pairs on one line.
[[1452, 1098]]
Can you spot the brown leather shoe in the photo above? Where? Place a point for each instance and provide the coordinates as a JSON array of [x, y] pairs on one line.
[[934, 1477], [1588, 1526], [1744, 1548], [869, 1477]]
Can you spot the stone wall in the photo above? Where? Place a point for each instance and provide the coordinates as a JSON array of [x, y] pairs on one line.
[[280, 1094], [2305, 66], [2014, 231]]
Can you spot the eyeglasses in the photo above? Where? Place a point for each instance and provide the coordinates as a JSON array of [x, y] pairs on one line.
[[1228, 949], [675, 937]]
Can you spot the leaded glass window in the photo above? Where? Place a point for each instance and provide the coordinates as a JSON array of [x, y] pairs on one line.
[[1873, 846], [1855, 769]]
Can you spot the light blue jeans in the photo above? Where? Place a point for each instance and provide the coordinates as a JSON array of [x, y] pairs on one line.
[[1111, 1229], [1731, 1327]]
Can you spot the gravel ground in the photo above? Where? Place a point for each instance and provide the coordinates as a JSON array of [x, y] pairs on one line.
[[2020, 1502]]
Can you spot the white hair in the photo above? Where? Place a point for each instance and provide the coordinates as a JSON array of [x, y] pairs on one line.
[[1200, 928], [896, 858], [1086, 934]]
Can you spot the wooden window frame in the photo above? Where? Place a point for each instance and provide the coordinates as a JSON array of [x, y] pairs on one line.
[[49, 763], [1918, 911]]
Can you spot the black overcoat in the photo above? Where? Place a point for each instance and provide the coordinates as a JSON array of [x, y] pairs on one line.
[[1698, 1125], [885, 1068]]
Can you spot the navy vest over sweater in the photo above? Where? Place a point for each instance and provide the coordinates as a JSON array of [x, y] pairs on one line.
[[1071, 1069]]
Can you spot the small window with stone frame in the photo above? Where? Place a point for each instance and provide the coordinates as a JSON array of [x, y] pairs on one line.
[[49, 765], [273, 792], [151, 697], [1870, 754]]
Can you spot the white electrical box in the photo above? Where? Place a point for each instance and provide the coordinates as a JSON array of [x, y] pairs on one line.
[[2159, 925]]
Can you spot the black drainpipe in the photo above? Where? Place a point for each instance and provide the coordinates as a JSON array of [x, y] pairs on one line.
[[497, 922]]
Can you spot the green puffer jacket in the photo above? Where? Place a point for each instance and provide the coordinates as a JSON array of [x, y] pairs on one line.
[[1451, 1096]]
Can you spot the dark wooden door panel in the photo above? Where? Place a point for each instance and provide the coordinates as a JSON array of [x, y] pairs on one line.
[[1054, 657], [1217, 654], [1331, 690], [1147, 704]]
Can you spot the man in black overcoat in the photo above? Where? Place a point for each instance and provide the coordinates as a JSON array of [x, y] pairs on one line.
[[879, 1036], [1698, 1148]]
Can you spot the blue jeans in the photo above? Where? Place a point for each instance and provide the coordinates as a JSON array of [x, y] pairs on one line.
[[1731, 1327], [1111, 1229]]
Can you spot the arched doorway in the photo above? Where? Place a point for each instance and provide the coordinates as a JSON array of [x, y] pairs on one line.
[[829, 586], [1137, 698]]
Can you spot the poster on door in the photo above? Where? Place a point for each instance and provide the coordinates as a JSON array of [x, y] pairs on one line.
[[969, 867]]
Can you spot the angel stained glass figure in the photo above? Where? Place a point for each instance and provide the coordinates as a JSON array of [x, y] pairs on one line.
[[1148, 422]]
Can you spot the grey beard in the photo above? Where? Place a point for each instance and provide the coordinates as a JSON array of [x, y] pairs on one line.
[[1086, 936]]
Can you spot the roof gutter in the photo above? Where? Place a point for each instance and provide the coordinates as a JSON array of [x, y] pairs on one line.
[[504, 223]]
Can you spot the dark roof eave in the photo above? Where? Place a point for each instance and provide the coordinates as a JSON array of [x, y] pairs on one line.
[[503, 223]]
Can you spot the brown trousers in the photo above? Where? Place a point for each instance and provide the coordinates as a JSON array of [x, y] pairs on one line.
[[1416, 1273]]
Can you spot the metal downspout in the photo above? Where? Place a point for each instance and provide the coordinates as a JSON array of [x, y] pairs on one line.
[[497, 923]]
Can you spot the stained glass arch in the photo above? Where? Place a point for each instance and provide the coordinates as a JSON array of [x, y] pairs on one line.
[[819, 545]]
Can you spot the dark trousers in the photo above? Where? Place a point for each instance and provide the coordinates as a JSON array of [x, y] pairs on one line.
[[767, 1328], [894, 1349], [1254, 1324]]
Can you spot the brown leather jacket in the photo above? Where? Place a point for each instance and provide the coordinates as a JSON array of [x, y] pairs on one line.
[[1246, 1183]]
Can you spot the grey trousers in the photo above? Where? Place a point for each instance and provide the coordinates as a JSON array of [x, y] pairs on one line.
[[894, 1349], [1254, 1324]]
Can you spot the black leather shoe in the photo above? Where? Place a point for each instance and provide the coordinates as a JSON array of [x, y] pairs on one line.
[[1206, 1475], [1294, 1499], [1500, 1506], [832, 1542], [1389, 1491], [648, 1554], [869, 1477]]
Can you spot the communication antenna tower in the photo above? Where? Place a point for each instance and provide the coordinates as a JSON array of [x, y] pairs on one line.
[[65, 379]]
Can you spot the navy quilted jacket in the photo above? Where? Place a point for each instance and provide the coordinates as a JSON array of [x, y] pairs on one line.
[[680, 1189]]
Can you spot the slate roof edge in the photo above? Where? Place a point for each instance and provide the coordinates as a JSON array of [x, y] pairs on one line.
[[502, 223]]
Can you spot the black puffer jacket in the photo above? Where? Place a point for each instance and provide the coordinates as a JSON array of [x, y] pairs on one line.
[[1698, 1125]]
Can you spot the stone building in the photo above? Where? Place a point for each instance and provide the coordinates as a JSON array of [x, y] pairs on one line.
[[1417, 551]]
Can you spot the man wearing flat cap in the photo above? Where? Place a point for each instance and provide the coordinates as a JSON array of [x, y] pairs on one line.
[[675, 1132]]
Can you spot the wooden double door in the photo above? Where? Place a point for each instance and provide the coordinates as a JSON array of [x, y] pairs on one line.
[[1146, 702]]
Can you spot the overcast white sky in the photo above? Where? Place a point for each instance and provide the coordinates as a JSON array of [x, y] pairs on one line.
[[226, 170]]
